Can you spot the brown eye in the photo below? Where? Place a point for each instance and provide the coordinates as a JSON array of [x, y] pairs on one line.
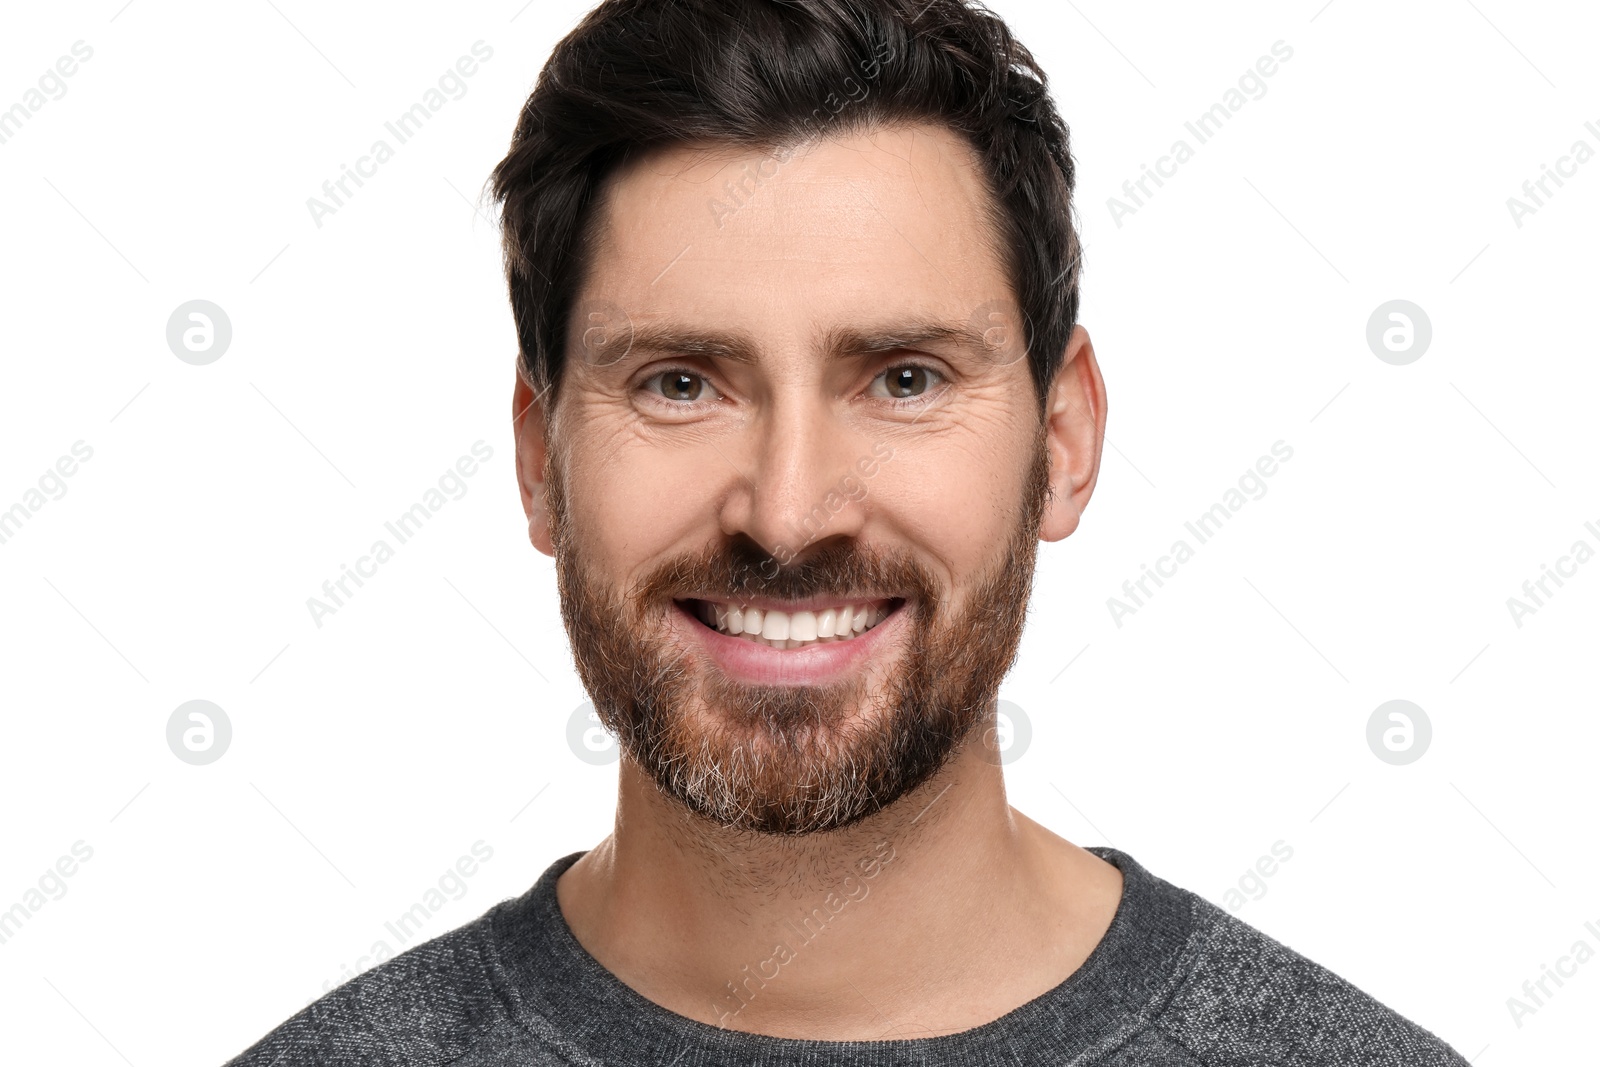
[[679, 386], [904, 382]]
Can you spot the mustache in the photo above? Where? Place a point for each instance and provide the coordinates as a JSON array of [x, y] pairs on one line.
[[741, 568]]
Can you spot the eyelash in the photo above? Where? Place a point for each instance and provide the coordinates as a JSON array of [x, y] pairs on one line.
[[655, 376], [897, 402], [903, 402]]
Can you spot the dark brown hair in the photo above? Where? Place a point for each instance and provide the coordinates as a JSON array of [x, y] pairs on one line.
[[637, 75]]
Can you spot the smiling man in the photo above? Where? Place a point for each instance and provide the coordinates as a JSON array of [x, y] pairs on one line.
[[800, 392]]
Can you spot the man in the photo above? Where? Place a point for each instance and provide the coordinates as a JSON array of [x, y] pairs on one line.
[[801, 389]]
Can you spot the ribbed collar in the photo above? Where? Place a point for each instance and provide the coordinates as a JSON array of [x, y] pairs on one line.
[[1130, 975]]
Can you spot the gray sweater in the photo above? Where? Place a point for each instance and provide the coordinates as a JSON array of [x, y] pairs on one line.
[[1175, 981]]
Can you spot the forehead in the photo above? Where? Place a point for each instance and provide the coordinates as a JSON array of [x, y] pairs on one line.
[[871, 227]]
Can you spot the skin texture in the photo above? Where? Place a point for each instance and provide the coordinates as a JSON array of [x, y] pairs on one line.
[[947, 908]]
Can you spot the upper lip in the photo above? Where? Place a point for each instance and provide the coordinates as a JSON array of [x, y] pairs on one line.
[[815, 603]]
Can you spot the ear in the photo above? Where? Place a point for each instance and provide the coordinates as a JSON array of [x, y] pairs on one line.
[[528, 421], [1075, 433]]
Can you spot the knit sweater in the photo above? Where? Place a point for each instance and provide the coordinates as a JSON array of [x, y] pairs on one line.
[[1174, 982]]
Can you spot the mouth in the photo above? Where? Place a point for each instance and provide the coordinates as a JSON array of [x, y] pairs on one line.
[[793, 626], [766, 641]]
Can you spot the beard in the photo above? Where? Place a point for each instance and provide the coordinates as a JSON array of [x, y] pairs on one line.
[[793, 760]]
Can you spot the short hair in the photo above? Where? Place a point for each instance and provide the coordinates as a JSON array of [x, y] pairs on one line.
[[639, 75]]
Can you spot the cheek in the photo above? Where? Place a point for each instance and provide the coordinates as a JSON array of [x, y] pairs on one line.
[[959, 495], [631, 500]]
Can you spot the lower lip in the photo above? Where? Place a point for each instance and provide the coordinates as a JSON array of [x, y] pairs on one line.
[[758, 663]]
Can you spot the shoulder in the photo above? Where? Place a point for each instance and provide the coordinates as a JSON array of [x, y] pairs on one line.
[[434, 1004], [1245, 998]]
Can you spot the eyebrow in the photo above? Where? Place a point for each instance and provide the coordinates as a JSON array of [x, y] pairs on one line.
[[839, 342]]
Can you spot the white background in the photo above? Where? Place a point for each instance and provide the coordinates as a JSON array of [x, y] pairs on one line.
[[1229, 312]]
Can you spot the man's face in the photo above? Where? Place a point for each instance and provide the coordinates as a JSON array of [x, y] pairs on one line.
[[797, 473]]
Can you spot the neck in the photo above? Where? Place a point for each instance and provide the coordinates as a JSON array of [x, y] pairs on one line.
[[846, 935]]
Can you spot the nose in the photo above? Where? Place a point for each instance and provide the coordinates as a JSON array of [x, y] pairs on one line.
[[801, 483]]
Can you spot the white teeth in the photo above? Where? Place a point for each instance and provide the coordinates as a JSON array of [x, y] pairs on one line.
[[775, 627], [786, 630], [825, 621], [802, 626]]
